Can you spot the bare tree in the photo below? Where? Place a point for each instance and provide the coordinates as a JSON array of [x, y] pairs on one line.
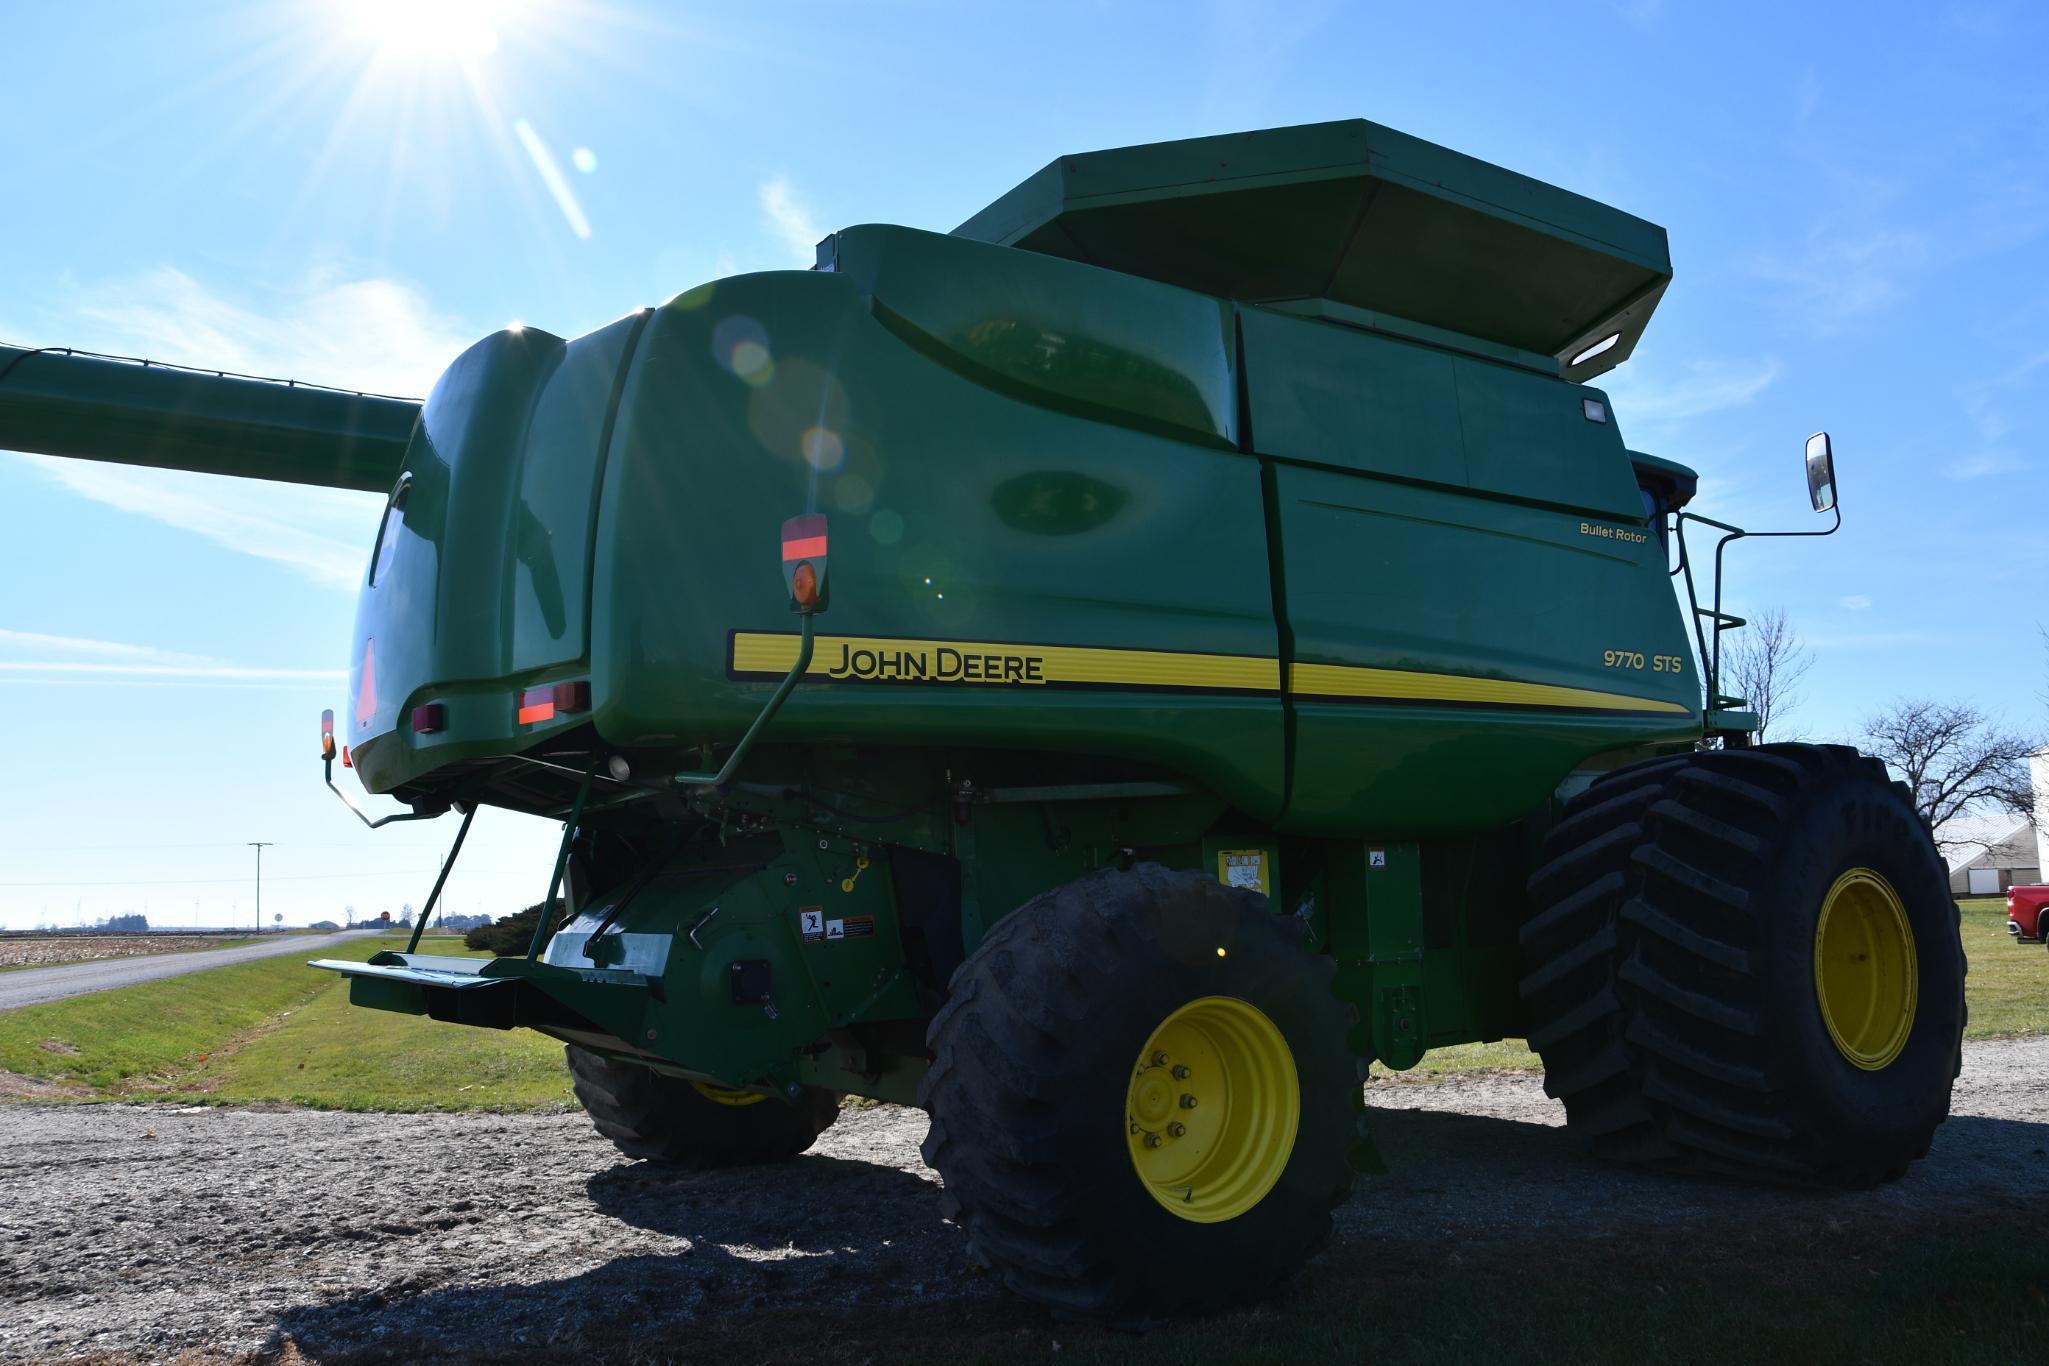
[[1957, 762], [1763, 664]]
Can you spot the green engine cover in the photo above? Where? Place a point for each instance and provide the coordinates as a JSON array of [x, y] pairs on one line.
[[1348, 555]]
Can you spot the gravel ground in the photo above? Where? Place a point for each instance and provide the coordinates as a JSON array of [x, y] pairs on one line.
[[150, 1232], [33, 986]]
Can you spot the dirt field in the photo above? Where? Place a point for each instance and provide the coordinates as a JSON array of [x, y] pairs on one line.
[[38, 952], [151, 1232]]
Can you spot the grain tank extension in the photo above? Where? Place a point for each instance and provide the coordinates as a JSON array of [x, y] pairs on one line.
[[1222, 641]]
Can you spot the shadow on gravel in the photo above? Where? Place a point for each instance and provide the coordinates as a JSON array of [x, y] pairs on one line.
[[817, 1233], [828, 1260]]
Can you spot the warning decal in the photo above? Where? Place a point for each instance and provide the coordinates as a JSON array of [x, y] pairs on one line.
[[1243, 868], [811, 923]]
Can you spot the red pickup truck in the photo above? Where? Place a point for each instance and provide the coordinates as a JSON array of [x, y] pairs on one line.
[[2027, 913]]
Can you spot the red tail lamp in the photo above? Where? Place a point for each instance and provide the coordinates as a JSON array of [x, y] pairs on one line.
[[545, 703]]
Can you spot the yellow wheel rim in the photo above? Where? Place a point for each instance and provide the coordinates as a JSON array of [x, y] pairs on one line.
[[1865, 971], [726, 1095], [1212, 1109]]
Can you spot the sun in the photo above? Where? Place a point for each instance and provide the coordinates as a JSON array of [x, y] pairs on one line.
[[433, 30]]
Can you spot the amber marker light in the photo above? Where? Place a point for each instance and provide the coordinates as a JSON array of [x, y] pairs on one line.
[[804, 545], [804, 585]]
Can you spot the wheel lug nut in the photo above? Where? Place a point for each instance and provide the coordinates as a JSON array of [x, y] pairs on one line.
[[1159, 1059], [1188, 1102], [1177, 1128], [1180, 1073], [1152, 1140]]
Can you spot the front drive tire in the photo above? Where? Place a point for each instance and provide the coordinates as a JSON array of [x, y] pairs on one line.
[[1065, 1064], [1748, 961], [660, 1118]]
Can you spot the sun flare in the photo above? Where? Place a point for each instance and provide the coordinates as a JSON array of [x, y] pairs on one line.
[[425, 30]]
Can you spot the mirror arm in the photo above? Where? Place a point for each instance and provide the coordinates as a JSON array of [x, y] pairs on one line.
[[1711, 657]]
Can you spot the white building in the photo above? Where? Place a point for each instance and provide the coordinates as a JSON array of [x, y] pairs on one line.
[[2021, 856], [2038, 771], [2012, 861]]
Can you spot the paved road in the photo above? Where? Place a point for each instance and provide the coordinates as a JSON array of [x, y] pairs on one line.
[[33, 986]]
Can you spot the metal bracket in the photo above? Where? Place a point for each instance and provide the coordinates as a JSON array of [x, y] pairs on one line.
[[364, 816], [806, 643], [420, 922]]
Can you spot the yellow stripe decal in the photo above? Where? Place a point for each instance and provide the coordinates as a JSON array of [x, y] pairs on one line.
[[881, 659], [1344, 680], [873, 659]]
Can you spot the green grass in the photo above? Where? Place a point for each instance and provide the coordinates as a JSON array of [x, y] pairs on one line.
[[274, 1031], [277, 1031], [2008, 989]]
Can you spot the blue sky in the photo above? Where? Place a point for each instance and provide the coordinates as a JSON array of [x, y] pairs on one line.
[[1857, 197]]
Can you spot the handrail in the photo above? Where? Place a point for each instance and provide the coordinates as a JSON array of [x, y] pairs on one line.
[[806, 643]]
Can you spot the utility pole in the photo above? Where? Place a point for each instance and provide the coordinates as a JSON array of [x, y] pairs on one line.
[[259, 846]]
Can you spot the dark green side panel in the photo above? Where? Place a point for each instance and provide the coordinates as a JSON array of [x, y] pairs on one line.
[[1385, 576], [1328, 393], [481, 569], [1359, 214], [980, 510], [1103, 346]]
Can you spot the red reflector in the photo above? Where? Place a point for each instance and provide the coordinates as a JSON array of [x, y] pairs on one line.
[[572, 696], [430, 718], [808, 548], [536, 704], [345, 757]]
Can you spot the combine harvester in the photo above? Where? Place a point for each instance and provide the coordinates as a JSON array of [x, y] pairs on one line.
[[1254, 654]]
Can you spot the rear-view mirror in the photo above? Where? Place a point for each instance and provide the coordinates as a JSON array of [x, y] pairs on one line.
[[1821, 472]]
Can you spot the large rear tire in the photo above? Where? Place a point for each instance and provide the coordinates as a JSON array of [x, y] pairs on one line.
[[1142, 1098], [1748, 961], [679, 1123]]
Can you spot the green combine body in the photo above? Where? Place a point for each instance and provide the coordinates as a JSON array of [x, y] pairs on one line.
[[1230, 566]]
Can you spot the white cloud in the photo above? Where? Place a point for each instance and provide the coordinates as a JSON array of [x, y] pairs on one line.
[[369, 333], [114, 662], [1837, 279], [1855, 602], [36, 641], [264, 520], [377, 334], [1705, 387], [790, 220], [1984, 464], [223, 671], [1867, 640], [1984, 398]]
